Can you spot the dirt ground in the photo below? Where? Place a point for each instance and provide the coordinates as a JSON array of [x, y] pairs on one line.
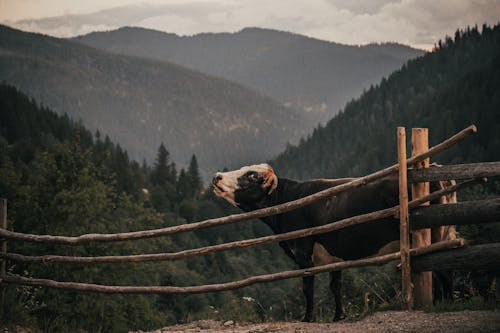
[[389, 321]]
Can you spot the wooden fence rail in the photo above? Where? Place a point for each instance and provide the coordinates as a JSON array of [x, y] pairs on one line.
[[278, 209], [458, 171], [336, 225], [379, 260], [462, 213], [475, 258]]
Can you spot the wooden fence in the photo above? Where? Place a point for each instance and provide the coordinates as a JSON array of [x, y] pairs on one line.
[[412, 215]]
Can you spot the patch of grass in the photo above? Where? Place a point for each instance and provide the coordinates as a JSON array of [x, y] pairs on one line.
[[474, 303]]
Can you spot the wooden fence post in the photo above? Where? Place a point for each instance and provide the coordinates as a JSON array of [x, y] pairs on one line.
[[422, 281], [3, 268], [3, 210], [404, 236]]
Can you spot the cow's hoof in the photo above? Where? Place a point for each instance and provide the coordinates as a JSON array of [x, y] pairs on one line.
[[339, 317], [307, 319]]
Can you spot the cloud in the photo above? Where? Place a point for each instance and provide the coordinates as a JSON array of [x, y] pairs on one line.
[[129, 15], [415, 22], [432, 20], [362, 6]]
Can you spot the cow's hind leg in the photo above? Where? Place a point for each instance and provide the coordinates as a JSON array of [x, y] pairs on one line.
[[443, 286], [336, 287], [308, 290]]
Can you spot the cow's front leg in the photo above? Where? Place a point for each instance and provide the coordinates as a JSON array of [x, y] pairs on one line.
[[336, 287], [303, 258], [308, 290]]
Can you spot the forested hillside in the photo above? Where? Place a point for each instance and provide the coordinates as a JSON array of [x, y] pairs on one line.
[[456, 85], [61, 179], [142, 102], [313, 75]]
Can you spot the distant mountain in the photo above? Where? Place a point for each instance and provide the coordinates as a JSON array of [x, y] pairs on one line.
[[446, 90], [316, 76], [142, 102]]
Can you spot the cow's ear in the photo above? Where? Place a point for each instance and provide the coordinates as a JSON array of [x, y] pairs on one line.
[[271, 180]]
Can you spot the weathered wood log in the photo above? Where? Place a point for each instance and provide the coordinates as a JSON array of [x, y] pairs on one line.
[[336, 225], [462, 213], [458, 171], [3, 262], [3, 218], [278, 209], [474, 257], [422, 281], [380, 260], [439, 246], [198, 289], [404, 224]]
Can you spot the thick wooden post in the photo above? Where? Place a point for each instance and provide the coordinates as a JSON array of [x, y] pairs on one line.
[[406, 289], [3, 267], [422, 281], [3, 216]]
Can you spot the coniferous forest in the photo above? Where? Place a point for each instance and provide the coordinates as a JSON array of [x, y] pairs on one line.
[[62, 179], [445, 90]]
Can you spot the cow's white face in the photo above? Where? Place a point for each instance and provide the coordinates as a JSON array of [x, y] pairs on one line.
[[249, 184]]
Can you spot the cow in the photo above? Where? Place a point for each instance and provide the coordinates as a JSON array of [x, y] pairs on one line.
[[257, 186]]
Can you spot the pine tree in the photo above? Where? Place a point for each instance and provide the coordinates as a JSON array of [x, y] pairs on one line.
[[194, 177], [183, 186], [161, 173], [163, 179]]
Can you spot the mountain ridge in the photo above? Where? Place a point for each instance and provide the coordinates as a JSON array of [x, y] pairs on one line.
[[142, 102], [294, 69]]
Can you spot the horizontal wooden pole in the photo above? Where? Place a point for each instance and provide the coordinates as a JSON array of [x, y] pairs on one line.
[[458, 171], [474, 257], [462, 213], [198, 289], [278, 209], [439, 246], [336, 225], [87, 287]]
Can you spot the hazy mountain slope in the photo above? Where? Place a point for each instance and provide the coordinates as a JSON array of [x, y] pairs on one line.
[[317, 76], [60, 179], [141, 102], [446, 90]]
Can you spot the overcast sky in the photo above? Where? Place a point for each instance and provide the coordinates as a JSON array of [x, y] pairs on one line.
[[419, 23]]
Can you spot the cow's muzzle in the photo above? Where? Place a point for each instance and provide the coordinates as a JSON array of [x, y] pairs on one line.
[[215, 181]]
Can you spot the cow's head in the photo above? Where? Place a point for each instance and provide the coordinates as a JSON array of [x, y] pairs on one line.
[[246, 186]]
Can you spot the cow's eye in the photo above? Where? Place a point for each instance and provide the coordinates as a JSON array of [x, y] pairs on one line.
[[253, 176]]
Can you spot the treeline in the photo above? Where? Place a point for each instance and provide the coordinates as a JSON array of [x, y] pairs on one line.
[[445, 90], [61, 179]]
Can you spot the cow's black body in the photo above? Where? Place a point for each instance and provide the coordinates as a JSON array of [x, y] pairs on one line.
[[350, 243], [257, 186]]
